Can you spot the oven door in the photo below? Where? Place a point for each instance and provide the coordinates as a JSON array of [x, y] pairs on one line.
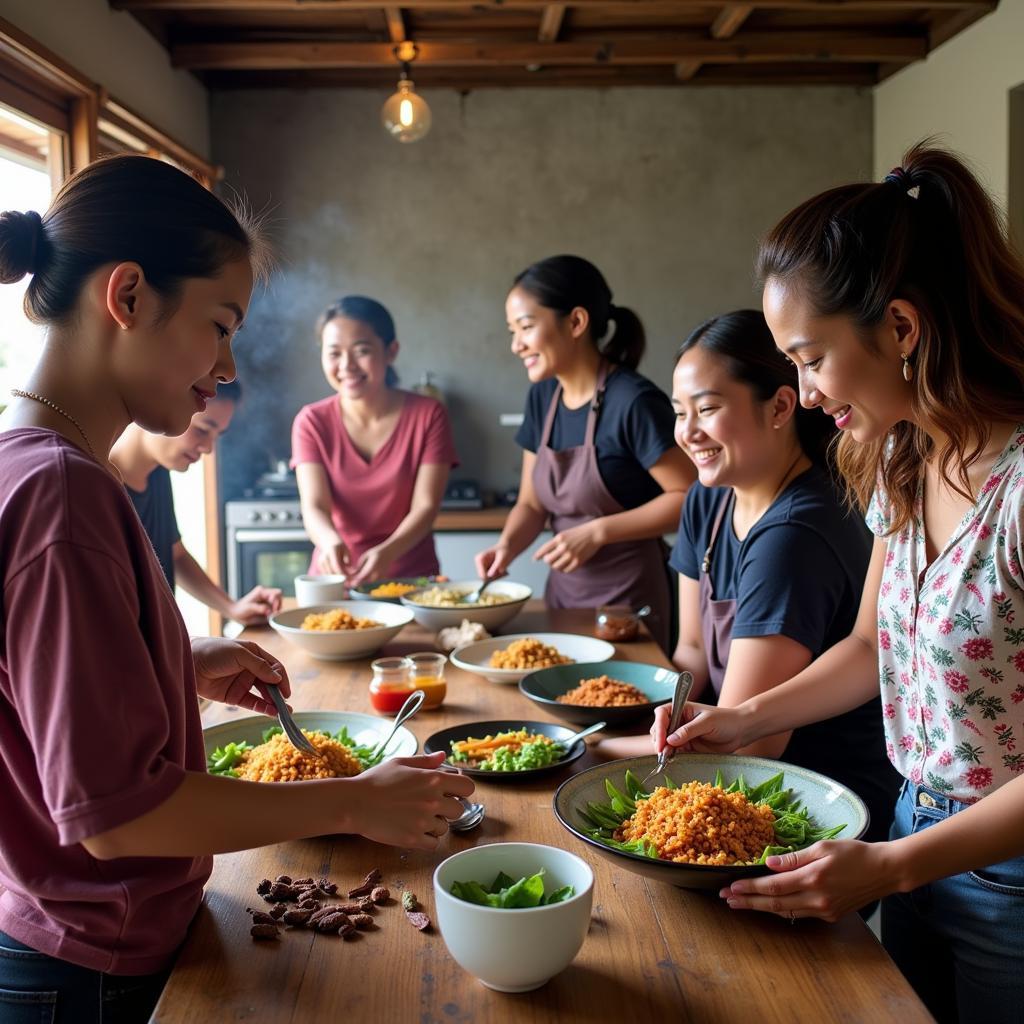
[[269, 558]]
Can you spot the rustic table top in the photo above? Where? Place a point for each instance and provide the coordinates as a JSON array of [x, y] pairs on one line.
[[653, 953]]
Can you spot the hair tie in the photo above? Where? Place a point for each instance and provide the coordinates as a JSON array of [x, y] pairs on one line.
[[37, 233], [898, 176]]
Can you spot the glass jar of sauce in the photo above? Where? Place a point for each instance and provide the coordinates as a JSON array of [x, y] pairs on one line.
[[395, 678], [616, 623]]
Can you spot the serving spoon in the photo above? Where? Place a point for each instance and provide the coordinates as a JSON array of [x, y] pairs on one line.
[[405, 712], [473, 597], [684, 683]]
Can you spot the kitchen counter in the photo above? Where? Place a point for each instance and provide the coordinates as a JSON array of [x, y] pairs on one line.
[[469, 520], [653, 953]]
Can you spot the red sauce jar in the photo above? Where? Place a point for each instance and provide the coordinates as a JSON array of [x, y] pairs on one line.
[[616, 623]]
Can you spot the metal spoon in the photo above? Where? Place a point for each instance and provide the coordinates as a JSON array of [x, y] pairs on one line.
[[473, 597], [469, 818], [405, 712], [570, 740], [684, 682]]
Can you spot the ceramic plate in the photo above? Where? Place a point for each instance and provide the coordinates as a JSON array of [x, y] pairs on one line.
[[828, 802], [476, 657], [366, 730], [443, 740], [343, 644]]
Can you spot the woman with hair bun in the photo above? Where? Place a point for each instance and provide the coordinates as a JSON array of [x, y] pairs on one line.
[[142, 277], [902, 305], [770, 564], [372, 460], [599, 460]]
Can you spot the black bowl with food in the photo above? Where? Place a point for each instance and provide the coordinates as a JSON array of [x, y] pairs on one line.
[[506, 750]]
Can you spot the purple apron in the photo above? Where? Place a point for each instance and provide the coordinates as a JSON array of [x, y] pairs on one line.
[[568, 484], [716, 617]]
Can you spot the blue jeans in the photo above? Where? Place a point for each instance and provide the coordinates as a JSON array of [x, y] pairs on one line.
[[959, 941], [40, 989]]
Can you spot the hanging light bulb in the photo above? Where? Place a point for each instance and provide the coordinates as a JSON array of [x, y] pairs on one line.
[[405, 114]]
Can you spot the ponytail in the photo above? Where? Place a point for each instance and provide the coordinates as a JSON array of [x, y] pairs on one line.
[[928, 234], [565, 283]]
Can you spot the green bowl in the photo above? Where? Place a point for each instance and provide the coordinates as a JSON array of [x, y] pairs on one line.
[[364, 589], [547, 684], [828, 802]]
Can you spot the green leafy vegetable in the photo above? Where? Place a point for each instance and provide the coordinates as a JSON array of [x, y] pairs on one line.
[[506, 894], [794, 827], [538, 754]]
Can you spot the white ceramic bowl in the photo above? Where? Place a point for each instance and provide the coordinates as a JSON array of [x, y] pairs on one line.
[[514, 950], [476, 657], [343, 644], [490, 616], [319, 589]]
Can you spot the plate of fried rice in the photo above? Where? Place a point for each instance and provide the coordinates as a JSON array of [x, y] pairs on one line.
[[342, 630], [708, 819], [253, 748], [616, 692]]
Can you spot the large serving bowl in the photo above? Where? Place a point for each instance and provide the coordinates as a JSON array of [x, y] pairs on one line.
[[476, 657], [365, 590], [343, 644], [365, 730], [514, 950], [546, 685], [828, 802], [490, 616]]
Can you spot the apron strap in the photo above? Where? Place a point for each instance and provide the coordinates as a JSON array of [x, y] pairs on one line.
[[705, 565], [595, 403], [549, 419]]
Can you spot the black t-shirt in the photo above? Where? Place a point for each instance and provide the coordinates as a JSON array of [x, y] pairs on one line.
[[155, 506], [799, 573], [634, 430]]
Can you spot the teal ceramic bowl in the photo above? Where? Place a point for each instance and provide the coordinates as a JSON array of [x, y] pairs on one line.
[[828, 802], [545, 685]]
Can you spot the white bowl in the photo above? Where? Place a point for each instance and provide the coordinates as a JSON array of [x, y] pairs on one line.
[[514, 950], [343, 644], [476, 657], [490, 616], [319, 589]]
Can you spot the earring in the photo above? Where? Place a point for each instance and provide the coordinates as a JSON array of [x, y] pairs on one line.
[[908, 370]]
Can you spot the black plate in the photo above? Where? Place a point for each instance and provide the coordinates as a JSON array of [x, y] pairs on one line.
[[443, 740]]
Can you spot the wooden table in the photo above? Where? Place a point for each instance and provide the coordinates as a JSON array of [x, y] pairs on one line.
[[654, 953]]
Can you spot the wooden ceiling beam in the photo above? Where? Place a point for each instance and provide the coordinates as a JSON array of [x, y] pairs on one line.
[[396, 24], [311, 6], [747, 49], [551, 23], [686, 69], [729, 19]]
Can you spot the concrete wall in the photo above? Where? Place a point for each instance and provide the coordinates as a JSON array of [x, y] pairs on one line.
[[666, 190], [962, 93], [113, 49]]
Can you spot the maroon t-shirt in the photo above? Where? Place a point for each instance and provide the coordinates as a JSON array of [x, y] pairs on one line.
[[99, 719]]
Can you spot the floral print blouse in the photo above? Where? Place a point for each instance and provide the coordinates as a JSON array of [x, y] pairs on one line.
[[951, 641]]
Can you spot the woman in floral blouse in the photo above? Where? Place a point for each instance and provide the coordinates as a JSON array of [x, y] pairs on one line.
[[902, 305]]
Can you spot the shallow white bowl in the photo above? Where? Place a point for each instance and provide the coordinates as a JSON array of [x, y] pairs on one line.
[[343, 644], [514, 950], [476, 657], [490, 616], [319, 589]]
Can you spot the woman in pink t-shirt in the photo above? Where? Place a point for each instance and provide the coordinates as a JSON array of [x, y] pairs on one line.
[[142, 278], [372, 461]]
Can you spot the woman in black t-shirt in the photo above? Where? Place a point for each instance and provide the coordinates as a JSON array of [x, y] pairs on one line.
[[770, 563], [598, 455]]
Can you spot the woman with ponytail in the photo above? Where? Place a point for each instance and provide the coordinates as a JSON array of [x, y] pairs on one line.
[[770, 563], [599, 459], [902, 305]]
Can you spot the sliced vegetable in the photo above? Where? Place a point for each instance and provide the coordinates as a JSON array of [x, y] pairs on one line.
[[506, 894]]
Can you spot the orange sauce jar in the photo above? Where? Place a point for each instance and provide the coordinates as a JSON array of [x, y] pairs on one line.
[[395, 678], [427, 674]]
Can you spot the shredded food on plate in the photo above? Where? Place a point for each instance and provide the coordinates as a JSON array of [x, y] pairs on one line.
[[528, 653], [337, 619], [277, 760], [603, 692]]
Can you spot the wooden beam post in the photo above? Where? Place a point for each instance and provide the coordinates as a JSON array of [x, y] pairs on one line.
[[686, 69], [729, 19], [396, 24], [551, 23]]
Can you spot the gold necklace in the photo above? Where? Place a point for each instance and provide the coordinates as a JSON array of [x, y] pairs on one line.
[[18, 393]]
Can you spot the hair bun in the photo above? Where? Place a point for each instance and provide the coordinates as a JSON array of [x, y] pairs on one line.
[[21, 235]]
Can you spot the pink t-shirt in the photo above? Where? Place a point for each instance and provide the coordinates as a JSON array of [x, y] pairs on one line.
[[370, 499], [98, 714]]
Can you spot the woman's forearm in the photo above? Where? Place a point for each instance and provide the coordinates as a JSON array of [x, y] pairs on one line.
[[210, 814], [657, 517], [522, 526], [990, 831], [842, 679], [320, 527], [410, 531]]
